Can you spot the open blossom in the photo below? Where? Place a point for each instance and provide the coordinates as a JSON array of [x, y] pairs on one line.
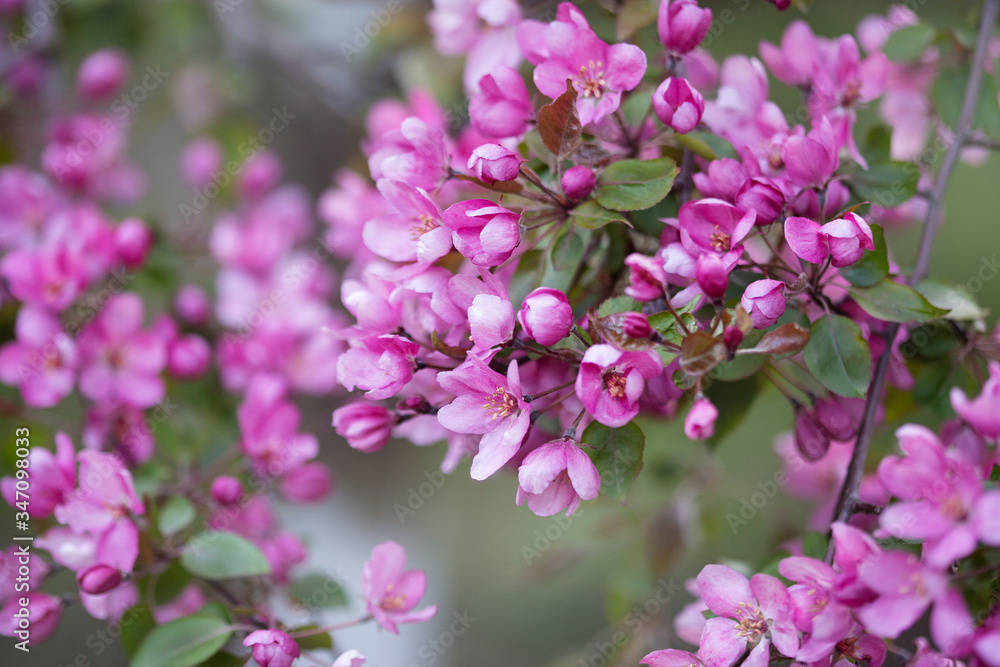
[[489, 404], [982, 412], [51, 276], [611, 381], [569, 49], [272, 648], [105, 492], [381, 365], [415, 154], [502, 107], [392, 593], [482, 231], [671, 658], [491, 321], [53, 479], [413, 232], [647, 277], [42, 361], [556, 477], [546, 315], [269, 426], [484, 30], [700, 422], [713, 225], [761, 609]]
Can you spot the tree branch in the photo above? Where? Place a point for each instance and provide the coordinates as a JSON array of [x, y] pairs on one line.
[[848, 499]]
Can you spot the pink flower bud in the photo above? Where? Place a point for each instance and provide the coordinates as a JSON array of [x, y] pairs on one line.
[[578, 182], [732, 338], [261, 172], [700, 422], [192, 305], [43, 615], [811, 440], [678, 105], [764, 301], [712, 276], [646, 277], [201, 161], [188, 357], [492, 162], [502, 108], [272, 648], [834, 420], [723, 181], [546, 316], [808, 162], [763, 196], [366, 427], [848, 238], [782, 5], [98, 579], [307, 483], [417, 404], [132, 242], [102, 75], [636, 325], [226, 490], [682, 24]]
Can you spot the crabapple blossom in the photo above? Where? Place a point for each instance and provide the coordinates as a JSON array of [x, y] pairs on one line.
[[272, 648], [611, 381], [578, 181], [392, 593], [366, 427], [492, 162], [546, 316], [678, 105], [502, 107], [556, 477], [482, 231], [764, 301], [682, 24], [700, 422]]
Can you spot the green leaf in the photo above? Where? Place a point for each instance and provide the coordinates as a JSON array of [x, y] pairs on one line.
[[136, 623], [707, 145], [177, 513], [222, 555], [895, 302], [838, 356], [312, 642], [995, 473], [909, 43], [619, 304], [183, 642], [223, 659], [873, 265], [617, 453], [567, 251], [591, 215], [633, 185], [317, 591], [878, 143], [887, 184], [961, 306], [559, 123], [170, 582], [814, 545], [633, 16]]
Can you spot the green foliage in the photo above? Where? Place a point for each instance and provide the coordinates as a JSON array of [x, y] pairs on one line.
[[617, 453], [223, 555], [873, 265], [183, 642], [838, 356], [895, 302], [633, 185]]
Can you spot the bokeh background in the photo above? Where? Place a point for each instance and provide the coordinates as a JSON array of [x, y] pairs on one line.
[[531, 591]]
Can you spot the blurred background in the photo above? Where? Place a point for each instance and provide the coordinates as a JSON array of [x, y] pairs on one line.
[[599, 588]]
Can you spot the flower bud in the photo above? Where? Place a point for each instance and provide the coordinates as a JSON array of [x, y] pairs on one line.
[[782, 5], [546, 316], [646, 277], [764, 301], [848, 237], [192, 305], [272, 648], [417, 404], [307, 483], [132, 242], [188, 357], [201, 161], [578, 182], [811, 440], [492, 162], [226, 490], [636, 325], [682, 24], [834, 420], [712, 276], [102, 75], [700, 421], [763, 196], [366, 427], [723, 180], [732, 338], [98, 579], [678, 105]]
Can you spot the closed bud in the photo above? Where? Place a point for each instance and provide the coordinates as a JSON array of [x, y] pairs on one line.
[[366, 427], [700, 421], [578, 182], [98, 579], [272, 648], [492, 162], [834, 420], [226, 490], [261, 172], [188, 357], [712, 276], [811, 440], [635, 325], [732, 338], [546, 316], [764, 300], [192, 305], [761, 195], [102, 75], [132, 242], [678, 105], [682, 24]]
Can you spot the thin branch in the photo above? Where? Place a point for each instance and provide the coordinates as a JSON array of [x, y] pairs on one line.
[[852, 482]]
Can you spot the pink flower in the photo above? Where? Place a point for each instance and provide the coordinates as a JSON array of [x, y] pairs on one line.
[[485, 30], [226, 490], [192, 305], [723, 180], [489, 404], [712, 276], [906, 588], [51, 276], [12, 577], [811, 439], [105, 492], [132, 242], [188, 357], [848, 238], [415, 154], [102, 75], [44, 612], [794, 61], [307, 483], [671, 658], [482, 231], [390, 592], [678, 105], [578, 182], [713, 225], [611, 381], [804, 238], [700, 422], [98, 579], [366, 427], [260, 174], [599, 72], [682, 24], [492, 162], [810, 161], [546, 316], [350, 658], [381, 365], [764, 301], [201, 161], [42, 361], [53, 478], [647, 277], [491, 321], [555, 477], [761, 609], [413, 232], [269, 425], [502, 107], [764, 197], [272, 648], [982, 413], [121, 363]]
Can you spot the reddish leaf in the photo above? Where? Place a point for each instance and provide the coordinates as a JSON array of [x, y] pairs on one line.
[[559, 124], [700, 353], [786, 339]]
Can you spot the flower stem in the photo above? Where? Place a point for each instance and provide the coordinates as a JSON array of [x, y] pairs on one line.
[[528, 398], [331, 628]]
